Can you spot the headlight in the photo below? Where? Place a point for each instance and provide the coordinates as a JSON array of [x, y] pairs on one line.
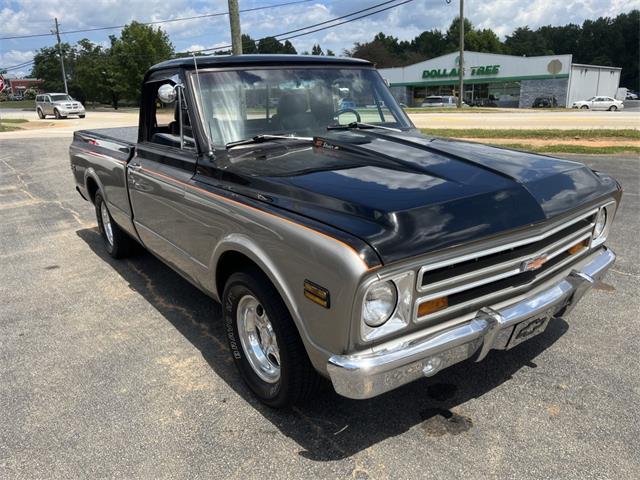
[[380, 303], [601, 223]]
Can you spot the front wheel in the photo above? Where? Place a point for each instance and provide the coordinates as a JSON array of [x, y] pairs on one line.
[[613, 108], [57, 114], [40, 114], [264, 341], [117, 243], [81, 116]]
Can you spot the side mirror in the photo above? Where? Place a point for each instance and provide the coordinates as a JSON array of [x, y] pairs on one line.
[[167, 93]]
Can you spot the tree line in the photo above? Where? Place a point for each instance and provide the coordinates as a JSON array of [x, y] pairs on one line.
[[114, 73], [605, 41]]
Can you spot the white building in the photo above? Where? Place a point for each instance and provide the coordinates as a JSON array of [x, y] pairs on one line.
[[502, 80]]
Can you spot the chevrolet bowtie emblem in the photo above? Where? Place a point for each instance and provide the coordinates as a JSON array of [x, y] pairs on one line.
[[534, 263]]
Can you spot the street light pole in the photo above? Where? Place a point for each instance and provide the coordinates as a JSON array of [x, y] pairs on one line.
[[64, 75], [461, 63], [234, 21]]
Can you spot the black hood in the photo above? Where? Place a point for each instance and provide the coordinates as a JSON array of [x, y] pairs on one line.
[[406, 194]]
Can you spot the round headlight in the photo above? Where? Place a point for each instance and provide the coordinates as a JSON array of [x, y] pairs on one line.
[[380, 303], [601, 222]]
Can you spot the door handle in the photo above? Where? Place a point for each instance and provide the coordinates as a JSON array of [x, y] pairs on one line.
[[134, 166]]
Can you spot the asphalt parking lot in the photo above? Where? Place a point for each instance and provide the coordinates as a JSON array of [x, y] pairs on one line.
[[120, 369]]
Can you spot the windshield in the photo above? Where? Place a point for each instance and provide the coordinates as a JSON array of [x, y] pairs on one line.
[[60, 98], [240, 104]]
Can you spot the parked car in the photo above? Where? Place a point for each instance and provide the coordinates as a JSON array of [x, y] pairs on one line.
[[347, 104], [438, 101], [631, 95], [546, 101], [60, 105], [367, 253], [599, 103]]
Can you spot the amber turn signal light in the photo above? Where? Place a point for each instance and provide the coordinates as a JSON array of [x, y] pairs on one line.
[[317, 294], [431, 306], [578, 247]]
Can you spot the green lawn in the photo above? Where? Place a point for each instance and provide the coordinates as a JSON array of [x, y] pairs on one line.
[[13, 120], [22, 104], [538, 134], [580, 149]]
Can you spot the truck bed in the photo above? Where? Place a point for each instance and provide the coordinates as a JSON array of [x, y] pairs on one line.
[[125, 135]]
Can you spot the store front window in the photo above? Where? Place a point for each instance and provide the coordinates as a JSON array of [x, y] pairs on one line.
[[497, 94]]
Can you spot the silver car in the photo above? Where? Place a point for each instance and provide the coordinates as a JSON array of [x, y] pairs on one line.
[[440, 101], [59, 105]]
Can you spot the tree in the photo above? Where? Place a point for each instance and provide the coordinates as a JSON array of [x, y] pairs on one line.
[[46, 67], [248, 44], [316, 50], [525, 42], [288, 48], [138, 48], [330, 53], [272, 45]]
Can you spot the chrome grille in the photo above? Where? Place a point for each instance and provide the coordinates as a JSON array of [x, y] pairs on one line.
[[489, 274]]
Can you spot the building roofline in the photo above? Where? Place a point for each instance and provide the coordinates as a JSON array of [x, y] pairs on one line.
[[586, 65]]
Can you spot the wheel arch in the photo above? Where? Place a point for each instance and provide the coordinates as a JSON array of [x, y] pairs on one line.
[[237, 251], [92, 185]]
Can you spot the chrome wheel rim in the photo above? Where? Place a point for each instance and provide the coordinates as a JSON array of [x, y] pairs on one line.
[[106, 223], [258, 339]]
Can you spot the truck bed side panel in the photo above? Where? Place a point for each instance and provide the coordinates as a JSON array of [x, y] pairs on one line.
[[99, 160]]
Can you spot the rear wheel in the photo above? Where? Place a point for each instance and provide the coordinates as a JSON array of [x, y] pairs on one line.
[[584, 107], [117, 243], [264, 341], [81, 116]]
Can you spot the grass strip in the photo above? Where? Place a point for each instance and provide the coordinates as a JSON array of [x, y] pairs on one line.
[[14, 120], [542, 134], [579, 149]]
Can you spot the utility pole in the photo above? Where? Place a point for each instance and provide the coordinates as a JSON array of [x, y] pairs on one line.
[[461, 64], [64, 75], [234, 21]]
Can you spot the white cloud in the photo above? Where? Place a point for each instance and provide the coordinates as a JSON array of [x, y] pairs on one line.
[[21, 17]]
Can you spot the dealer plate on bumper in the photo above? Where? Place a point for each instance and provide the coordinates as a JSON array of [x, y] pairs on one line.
[[529, 328]]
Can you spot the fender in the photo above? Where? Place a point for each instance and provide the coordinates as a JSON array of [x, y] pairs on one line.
[[243, 244], [91, 173]]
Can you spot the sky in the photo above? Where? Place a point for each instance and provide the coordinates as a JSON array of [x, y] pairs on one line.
[[25, 17]]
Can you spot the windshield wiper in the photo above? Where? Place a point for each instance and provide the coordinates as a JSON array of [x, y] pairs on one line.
[[360, 126], [265, 138]]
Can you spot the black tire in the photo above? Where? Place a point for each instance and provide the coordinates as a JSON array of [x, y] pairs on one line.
[[584, 107], [121, 244], [613, 108], [81, 116], [298, 380], [57, 114], [40, 114]]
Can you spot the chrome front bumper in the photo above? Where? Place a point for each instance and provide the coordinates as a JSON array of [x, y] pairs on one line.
[[367, 374]]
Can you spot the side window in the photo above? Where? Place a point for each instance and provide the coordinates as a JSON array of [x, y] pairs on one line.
[[165, 121]]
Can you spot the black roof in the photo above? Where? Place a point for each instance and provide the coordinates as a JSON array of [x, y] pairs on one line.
[[235, 60]]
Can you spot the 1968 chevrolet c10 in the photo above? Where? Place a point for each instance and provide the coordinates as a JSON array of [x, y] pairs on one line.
[[340, 241]]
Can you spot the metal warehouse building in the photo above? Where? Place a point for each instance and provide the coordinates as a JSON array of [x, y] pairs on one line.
[[502, 80]]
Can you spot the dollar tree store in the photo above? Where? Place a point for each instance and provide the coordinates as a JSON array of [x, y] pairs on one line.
[[502, 80]]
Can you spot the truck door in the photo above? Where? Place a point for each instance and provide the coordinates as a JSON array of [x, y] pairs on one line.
[[156, 177]]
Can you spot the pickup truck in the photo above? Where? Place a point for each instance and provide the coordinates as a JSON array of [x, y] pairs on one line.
[[341, 242]]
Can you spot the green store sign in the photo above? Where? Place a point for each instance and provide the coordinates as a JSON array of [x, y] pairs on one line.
[[453, 72]]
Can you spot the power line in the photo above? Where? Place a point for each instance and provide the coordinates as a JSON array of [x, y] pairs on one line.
[[20, 65], [223, 47], [157, 22]]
